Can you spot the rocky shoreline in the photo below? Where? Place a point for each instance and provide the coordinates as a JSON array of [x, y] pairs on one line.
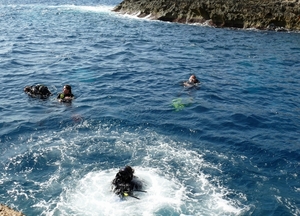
[[6, 211], [279, 15]]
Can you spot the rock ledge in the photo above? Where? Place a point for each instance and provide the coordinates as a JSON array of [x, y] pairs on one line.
[[260, 14], [6, 211]]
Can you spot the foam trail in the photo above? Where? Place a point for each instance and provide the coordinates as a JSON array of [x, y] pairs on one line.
[[96, 9]]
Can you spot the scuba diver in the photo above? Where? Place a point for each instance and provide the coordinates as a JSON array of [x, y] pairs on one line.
[[125, 183], [66, 95], [192, 81], [38, 90]]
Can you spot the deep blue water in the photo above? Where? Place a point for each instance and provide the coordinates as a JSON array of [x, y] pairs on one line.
[[229, 147]]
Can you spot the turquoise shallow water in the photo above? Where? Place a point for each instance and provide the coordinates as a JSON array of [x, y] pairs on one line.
[[228, 147]]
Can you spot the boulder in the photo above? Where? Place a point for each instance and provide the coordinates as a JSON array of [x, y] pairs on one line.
[[6, 211], [259, 14]]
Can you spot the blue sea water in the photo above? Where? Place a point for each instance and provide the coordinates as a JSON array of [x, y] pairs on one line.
[[229, 147]]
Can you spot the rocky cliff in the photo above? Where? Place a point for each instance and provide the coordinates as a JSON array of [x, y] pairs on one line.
[[260, 14]]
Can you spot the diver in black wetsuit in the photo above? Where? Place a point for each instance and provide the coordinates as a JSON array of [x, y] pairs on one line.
[[192, 81], [66, 95], [125, 183], [38, 90]]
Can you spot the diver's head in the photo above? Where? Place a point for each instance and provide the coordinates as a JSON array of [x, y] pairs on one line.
[[128, 169], [67, 89], [192, 78], [125, 175], [27, 89]]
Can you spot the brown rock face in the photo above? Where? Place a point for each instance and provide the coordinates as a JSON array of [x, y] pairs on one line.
[[6, 211], [260, 14]]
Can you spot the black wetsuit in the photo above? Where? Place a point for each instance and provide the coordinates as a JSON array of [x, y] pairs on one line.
[[62, 95], [125, 183], [38, 91]]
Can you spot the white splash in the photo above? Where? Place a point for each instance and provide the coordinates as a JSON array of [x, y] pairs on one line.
[[96, 9], [92, 195]]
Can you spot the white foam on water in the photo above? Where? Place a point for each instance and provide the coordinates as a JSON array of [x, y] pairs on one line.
[[172, 173], [96, 9], [204, 197], [92, 195]]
